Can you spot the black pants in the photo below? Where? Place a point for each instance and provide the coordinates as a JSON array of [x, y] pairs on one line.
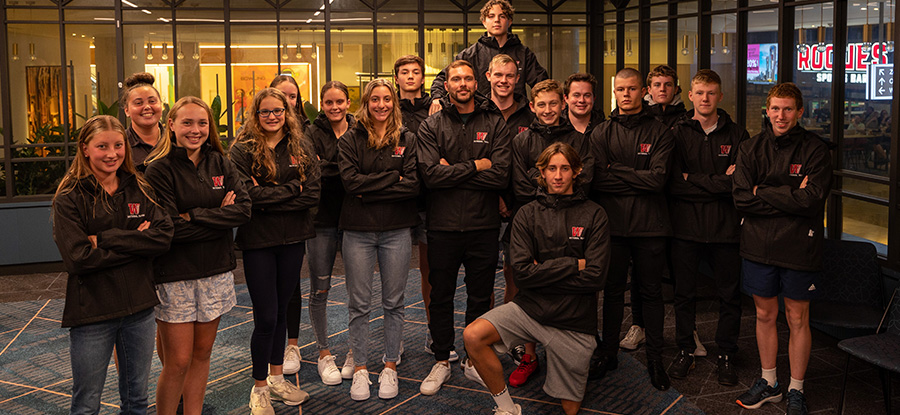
[[477, 251], [648, 256], [725, 262]]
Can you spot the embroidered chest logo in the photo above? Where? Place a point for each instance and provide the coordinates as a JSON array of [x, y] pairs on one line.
[[481, 137], [134, 211], [795, 169], [522, 129], [398, 152], [577, 233], [644, 149], [218, 182], [294, 162], [724, 150]]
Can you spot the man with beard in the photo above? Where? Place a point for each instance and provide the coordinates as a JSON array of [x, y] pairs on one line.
[[464, 162]]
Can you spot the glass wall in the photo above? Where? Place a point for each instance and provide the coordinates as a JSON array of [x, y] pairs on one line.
[[762, 65], [724, 59]]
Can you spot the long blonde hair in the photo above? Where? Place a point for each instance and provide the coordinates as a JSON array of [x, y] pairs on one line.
[[165, 142], [394, 121], [81, 169], [253, 136]]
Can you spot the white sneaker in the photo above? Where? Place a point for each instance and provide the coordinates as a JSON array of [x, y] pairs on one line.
[[348, 367], [387, 384], [359, 391], [286, 392], [453, 355], [471, 373], [498, 411], [399, 357], [260, 404], [440, 373], [328, 371], [700, 351], [291, 360], [633, 338]]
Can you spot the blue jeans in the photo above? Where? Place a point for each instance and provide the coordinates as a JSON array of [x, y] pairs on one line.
[[393, 250], [91, 347]]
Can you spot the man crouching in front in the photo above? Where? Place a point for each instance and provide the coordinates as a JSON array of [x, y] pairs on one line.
[[560, 255]]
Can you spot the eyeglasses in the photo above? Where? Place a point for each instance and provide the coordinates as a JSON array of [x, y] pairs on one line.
[[265, 113]]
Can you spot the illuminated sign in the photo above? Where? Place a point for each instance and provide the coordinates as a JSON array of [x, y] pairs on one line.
[[809, 59], [881, 81]]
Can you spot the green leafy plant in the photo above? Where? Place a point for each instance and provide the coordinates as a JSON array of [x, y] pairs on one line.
[[311, 111]]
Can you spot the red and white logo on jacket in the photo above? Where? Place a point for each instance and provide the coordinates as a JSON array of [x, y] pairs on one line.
[[398, 152], [577, 233], [134, 211], [644, 149], [724, 150], [522, 129], [481, 137], [294, 162], [218, 182], [795, 169]]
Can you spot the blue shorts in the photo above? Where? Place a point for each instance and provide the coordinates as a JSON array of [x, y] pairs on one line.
[[770, 280]]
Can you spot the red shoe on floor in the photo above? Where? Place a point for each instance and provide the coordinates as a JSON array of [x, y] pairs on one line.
[[523, 372]]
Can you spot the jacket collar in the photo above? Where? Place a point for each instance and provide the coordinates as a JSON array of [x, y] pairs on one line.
[[560, 201], [631, 120], [549, 132], [689, 121], [417, 104], [489, 41]]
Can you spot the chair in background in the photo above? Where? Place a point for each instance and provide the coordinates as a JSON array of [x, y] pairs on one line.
[[881, 349]]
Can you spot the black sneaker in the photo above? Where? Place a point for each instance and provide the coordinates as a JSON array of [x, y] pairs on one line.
[[796, 404], [600, 365], [658, 377], [516, 354], [725, 370], [682, 365], [759, 394]]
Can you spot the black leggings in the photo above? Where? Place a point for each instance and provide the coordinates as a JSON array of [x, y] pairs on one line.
[[272, 275]]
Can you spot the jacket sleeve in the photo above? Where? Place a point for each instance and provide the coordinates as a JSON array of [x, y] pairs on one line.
[[355, 181], [653, 179], [534, 72], [70, 235], [151, 242], [744, 178], [524, 250], [807, 201], [604, 180], [587, 161], [309, 190], [524, 180], [185, 231], [686, 189], [226, 217], [434, 174], [405, 189], [597, 253], [496, 177], [261, 195]]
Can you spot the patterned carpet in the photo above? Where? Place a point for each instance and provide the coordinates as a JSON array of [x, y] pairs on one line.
[[35, 372]]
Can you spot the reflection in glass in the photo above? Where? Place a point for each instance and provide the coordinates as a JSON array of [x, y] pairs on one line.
[[867, 221], [687, 58], [813, 68], [609, 69], [724, 62], [762, 65]]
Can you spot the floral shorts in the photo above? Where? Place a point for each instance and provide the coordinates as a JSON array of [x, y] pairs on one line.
[[202, 300]]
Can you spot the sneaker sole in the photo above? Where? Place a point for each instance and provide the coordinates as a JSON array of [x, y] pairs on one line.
[[290, 371], [289, 403], [388, 397], [360, 397], [628, 346], [333, 382], [773, 399]]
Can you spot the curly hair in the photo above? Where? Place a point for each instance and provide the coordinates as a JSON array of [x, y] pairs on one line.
[[254, 138]]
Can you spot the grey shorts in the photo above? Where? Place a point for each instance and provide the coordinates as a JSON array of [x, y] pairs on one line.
[[568, 352], [202, 300]]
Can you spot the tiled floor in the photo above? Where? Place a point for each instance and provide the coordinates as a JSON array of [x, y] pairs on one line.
[[823, 382]]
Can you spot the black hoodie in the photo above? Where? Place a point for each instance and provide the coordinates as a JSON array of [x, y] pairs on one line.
[[631, 165], [480, 55], [521, 119], [783, 225], [701, 206], [203, 246], [377, 199], [415, 111], [596, 118], [556, 231], [527, 148], [459, 197], [115, 279], [668, 116], [326, 144]]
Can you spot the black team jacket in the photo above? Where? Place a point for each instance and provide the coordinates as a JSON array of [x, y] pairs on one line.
[[596, 118], [480, 55], [459, 197], [116, 278], [521, 119], [414, 111], [631, 167], [557, 231], [701, 207], [281, 208], [377, 199], [204, 245], [527, 148], [783, 225], [332, 189], [670, 115]]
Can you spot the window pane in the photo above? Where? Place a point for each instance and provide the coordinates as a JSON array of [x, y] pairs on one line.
[[573, 6], [687, 56], [201, 64], [148, 48], [609, 68], [813, 65], [38, 177], [632, 45], [254, 62], [869, 90], [867, 221], [537, 40], [659, 46], [569, 52], [354, 62], [724, 4], [762, 64], [92, 56], [724, 61], [395, 42], [441, 46]]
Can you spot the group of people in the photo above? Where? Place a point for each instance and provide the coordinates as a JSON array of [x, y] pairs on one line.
[[144, 221]]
